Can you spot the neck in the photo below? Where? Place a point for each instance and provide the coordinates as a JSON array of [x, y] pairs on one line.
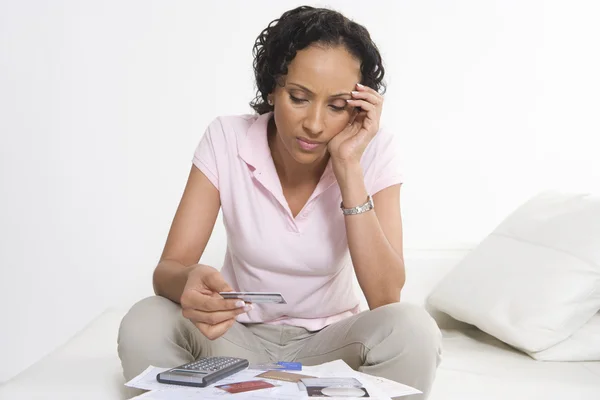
[[291, 172]]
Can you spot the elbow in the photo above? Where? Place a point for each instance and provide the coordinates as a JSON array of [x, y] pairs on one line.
[[385, 298], [155, 280], [397, 283], [390, 291]]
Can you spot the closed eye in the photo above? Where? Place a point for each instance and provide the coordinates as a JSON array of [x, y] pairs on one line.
[[296, 100]]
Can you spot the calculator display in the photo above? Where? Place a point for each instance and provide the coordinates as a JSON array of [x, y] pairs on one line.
[[187, 372]]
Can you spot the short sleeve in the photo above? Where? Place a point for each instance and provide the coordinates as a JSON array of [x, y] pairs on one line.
[[384, 162], [205, 155]]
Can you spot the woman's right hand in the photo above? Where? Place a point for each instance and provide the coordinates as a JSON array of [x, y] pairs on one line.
[[202, 304]]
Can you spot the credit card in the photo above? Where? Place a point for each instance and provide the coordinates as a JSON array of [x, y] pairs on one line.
[[281, 365], [246, 386], [283, 376], [255, 297]]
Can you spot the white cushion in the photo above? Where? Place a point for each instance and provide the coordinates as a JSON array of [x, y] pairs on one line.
[[535, 280], [476, 366], [583, 345], [86, 367]]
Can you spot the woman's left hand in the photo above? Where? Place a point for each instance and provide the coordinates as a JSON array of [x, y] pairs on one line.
[[347, 147]]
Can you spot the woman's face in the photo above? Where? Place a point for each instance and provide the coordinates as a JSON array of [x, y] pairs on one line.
[[311, 108]]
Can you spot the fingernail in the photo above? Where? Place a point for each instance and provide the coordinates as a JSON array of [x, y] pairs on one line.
[[240, 303], [349, 100], [249, 307], [360, 86], [354, 92]]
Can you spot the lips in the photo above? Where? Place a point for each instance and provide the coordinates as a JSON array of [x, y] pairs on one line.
[[307, 145]]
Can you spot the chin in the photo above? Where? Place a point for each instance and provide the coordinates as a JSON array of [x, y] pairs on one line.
[[303, 157]]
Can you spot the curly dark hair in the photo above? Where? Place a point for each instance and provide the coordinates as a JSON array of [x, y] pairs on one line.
[[296, 29]]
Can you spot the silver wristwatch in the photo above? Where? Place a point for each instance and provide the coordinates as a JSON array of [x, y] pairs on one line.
[[358, 209]]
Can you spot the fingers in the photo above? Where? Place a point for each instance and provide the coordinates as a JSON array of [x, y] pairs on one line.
[[355, 112], [371, 103], [367, 99], [366, 89], [215, 317], [365, 105], [211, 314], [210, 303], [213, 332], [369, 95], [351, 129], [202, 304]]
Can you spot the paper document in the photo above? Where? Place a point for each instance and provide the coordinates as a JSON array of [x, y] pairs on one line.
[[339, 368], [389, 387], [378, 388], [187, 395], [147, 379]]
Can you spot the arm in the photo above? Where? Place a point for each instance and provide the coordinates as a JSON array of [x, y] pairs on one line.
[[374, 238], [191, 228]]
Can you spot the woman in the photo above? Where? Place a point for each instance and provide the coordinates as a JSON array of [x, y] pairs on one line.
[[309, 189]]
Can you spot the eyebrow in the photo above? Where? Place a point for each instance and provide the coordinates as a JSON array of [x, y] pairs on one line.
[[309, 91]]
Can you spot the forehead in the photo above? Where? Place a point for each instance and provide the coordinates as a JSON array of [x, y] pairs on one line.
[[324, 69]]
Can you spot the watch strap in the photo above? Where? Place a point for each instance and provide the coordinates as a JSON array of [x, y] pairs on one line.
[[359, 209]]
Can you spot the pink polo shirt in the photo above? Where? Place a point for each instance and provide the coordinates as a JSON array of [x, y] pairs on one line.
[[305, 258]]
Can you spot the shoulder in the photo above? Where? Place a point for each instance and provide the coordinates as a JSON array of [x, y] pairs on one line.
[[385, 145], [230, 128], [382, 161]]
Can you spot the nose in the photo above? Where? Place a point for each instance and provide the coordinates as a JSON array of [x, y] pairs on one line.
[[313, 122]]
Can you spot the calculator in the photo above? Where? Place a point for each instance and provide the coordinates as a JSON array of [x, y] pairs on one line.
[[203, 372]]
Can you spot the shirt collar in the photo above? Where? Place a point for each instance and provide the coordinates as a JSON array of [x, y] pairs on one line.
[[255, 150]]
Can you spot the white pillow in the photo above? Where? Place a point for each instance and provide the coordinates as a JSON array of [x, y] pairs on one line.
[[583, 345], [535, 279]]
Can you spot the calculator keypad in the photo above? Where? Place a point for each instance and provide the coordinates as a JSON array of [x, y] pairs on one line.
[[210, 364]]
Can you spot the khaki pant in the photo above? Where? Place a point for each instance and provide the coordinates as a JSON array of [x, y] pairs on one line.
[[397, 341]]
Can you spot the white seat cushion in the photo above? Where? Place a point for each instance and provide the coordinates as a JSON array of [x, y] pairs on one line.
[[478, 366], [87, 367], [583, 345]]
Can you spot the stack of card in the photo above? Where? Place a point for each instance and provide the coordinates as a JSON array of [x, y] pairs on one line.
[[247, 386], [334, 387]]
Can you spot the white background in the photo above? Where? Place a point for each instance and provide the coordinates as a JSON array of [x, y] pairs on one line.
[[102, 104]]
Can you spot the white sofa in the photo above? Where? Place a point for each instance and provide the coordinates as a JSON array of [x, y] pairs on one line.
[[474, 365]]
